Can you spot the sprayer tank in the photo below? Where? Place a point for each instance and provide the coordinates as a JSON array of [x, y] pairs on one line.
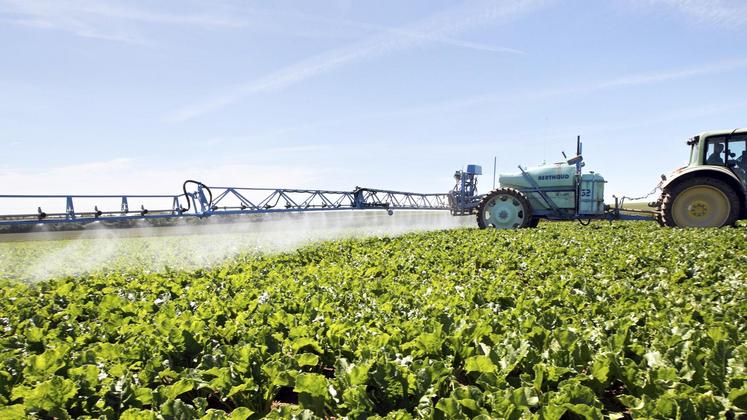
[[591, 194]]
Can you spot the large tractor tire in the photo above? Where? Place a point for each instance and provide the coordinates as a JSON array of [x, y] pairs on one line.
[[504, 208], [699, 202]]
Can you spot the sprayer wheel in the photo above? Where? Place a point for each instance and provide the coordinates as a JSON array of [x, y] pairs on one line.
[[504, 208], [699, 202]]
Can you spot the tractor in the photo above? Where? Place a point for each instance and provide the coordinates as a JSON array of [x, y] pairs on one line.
[[711, 191]]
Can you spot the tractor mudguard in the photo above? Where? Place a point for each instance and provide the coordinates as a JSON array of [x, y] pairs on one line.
[[705, 170]]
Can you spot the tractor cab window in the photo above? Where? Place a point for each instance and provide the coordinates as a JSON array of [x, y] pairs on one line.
[[716, 151], [737, 156]]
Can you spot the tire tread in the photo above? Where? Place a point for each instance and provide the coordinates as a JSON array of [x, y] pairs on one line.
[[670, 193], [510, 191]]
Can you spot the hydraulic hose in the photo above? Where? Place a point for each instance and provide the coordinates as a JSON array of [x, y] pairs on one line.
[[187, 195]]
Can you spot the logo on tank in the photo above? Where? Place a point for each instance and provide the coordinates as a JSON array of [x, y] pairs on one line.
[[552, 177]]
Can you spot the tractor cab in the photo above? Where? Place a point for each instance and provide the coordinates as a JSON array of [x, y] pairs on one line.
[[718, 150], [726, 150], [711, 190]]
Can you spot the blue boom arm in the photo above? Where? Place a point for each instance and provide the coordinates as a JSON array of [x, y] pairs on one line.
[[204, 201]]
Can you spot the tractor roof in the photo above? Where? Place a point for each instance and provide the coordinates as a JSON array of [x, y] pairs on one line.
[[722, 132]]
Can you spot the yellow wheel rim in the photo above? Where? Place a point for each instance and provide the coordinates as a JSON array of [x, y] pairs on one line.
[[701, 206]]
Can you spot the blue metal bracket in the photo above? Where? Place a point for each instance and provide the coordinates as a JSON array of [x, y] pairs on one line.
[[69, 208]]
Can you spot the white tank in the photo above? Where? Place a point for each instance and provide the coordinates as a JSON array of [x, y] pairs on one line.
[[591, 195], [547, 176], [559, 175]]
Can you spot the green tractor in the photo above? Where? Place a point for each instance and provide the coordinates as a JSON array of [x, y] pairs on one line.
[[709, 192]]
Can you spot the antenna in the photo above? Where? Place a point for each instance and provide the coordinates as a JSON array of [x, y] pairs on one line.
[[495, 163]]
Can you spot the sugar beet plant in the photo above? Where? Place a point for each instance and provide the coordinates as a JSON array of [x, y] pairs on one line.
[[624, 320]]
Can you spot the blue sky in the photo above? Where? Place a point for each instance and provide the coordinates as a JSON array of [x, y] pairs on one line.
[[113, 96]]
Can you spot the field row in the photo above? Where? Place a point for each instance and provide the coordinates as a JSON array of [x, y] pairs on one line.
[[608, 320]]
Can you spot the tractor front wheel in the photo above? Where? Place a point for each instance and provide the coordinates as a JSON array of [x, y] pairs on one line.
[[699, 202], [504, 208]]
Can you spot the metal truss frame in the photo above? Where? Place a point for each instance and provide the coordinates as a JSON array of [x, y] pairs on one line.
[[226, 201]]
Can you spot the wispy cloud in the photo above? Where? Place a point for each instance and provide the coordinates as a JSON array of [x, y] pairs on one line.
[[262, 152], [404, 32], [656, 77], [731, 13], [297, 149], [624, 81], [438, 27], [106, 20], [140, 176]]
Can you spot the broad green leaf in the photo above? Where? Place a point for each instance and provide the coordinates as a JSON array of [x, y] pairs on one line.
[[738, 397], [312, 384], [178, 409], [144, 395], [600, 369], [241, 413], [47, 363], [178, 388], [307, 359], [450, 407], [359, 374], [585, 411], [16, 411], [481, 364], [213, 414], [51, 395], [248, 385], [137, 414], [307, 344]]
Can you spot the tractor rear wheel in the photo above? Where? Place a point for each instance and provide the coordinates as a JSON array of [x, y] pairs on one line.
[[699, 202], [504, 208]]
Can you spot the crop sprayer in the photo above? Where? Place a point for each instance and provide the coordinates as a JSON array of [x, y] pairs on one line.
[[711, 191]]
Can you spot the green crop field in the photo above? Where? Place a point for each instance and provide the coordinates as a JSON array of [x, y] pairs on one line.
[[612, 320]]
